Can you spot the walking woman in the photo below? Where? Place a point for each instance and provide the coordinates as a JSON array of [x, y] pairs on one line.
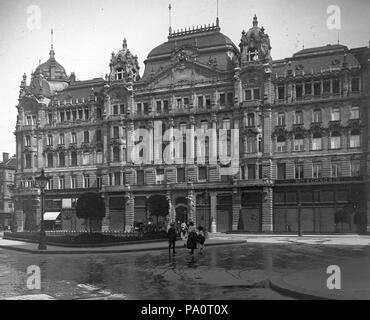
[[201, 238], [192, 238]]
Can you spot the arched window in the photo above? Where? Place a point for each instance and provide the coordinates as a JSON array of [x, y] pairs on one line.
[[74, 158], [335, 140], [298, 119], [281, 144], [116, 154], [62, 159], [354, 139], [298, 142], [252, 54], [250, 146], [317, 141], [119, 74]]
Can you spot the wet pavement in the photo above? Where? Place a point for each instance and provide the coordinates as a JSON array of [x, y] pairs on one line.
[[228, 272]]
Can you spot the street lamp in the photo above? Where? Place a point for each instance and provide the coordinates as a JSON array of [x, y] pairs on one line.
[[41, 182]]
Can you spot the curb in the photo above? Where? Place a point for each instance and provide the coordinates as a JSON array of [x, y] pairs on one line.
[[110, 251], [277, 283]]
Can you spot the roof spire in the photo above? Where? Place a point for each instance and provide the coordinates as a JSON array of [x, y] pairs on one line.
[[255, 21], [124, 44], [169, 18], [217, 19], [338, 38], [52, 53]]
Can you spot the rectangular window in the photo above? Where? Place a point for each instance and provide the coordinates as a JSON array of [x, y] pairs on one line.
[[317, 89], [117, 178], [74, 138], [85, 159], [73, 182], [308, 88], [50, 118], [99, 182], [80, 114], [98, 135], [200, 102], [226, 124], [299, 171], [86, 181], [354, 141], [335, 169], [298, 144], [165, 106], [355, 83], [61, 116], [299, 91], [336, 86], [251, 171], [68, 115], [316, 170], [281, 174], [50, 140], [140, 177], [202, 173], [99, 157], [317, 144], [122, 109], [180, 175], [281, 92], [186, 103], [326, 86], [61, 183], [139, 108], [115, 110], [28, 141], [208, 102], [179, 103], [298, 119], [146, 108], [222, 99], [248, 95], [159, 106], [355, 113], [281, 119], [61, 139], [160, 176], [335, 114], [256, 94], [316, 116], [29, 121], [74, 115], [86, 137], [335, 142], [355, 168], [115, 132]]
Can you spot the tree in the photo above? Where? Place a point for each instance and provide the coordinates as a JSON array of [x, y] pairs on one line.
[[158, 206], [91, 206]]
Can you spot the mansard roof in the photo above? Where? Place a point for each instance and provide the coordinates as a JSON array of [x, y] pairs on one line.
[[327, 58]]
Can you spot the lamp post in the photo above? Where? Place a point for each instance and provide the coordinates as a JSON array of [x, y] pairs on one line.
[[41, 182]]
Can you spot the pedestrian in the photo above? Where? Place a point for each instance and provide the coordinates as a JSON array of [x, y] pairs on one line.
[[201, 239], [192, 238], [184, 233], [171, 234]]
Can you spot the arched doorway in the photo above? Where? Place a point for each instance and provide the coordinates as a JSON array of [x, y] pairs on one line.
[[157, 208], [181, 209]]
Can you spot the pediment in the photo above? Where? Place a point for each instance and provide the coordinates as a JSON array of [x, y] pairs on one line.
[[184, 73]]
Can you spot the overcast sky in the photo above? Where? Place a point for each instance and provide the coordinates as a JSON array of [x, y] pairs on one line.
[[87, 31]]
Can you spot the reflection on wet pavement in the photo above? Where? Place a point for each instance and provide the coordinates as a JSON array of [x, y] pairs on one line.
[[231, 272]]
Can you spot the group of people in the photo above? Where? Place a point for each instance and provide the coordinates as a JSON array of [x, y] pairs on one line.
[[190, 236]]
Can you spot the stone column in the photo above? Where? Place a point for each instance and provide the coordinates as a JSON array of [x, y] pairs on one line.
[[190, 142], [171, 207], [213, 204], [129, 211], [267, 206], [213, 141], [236, 209], [192, 205]]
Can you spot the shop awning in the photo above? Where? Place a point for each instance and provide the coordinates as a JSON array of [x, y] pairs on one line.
[[51, 216]]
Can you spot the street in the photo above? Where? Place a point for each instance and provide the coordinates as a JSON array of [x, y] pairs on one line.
[[228, 272]]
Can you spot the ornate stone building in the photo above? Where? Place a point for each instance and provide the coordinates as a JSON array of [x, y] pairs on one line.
[[303, 129], [7, 176]]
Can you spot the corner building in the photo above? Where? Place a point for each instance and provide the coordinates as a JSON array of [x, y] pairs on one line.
[[303, 136]]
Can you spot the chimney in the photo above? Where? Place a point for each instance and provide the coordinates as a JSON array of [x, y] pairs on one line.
[[5, 157]]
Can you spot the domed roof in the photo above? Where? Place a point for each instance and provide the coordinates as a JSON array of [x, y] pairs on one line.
[[51, 69], [203, 40]]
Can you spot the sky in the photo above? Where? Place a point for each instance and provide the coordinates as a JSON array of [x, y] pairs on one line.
[[87, 31]]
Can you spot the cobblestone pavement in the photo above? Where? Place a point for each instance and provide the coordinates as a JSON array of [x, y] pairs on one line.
[[230, 272]]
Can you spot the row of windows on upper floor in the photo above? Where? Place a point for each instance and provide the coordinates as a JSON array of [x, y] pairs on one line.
[[247, 172], [335, 115], [335, 142], [317, 88]]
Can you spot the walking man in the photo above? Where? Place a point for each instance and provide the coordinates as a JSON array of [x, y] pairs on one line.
[[171, 234]]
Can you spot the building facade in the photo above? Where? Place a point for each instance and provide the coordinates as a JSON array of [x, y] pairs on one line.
[[7, 181], [299, 127]]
